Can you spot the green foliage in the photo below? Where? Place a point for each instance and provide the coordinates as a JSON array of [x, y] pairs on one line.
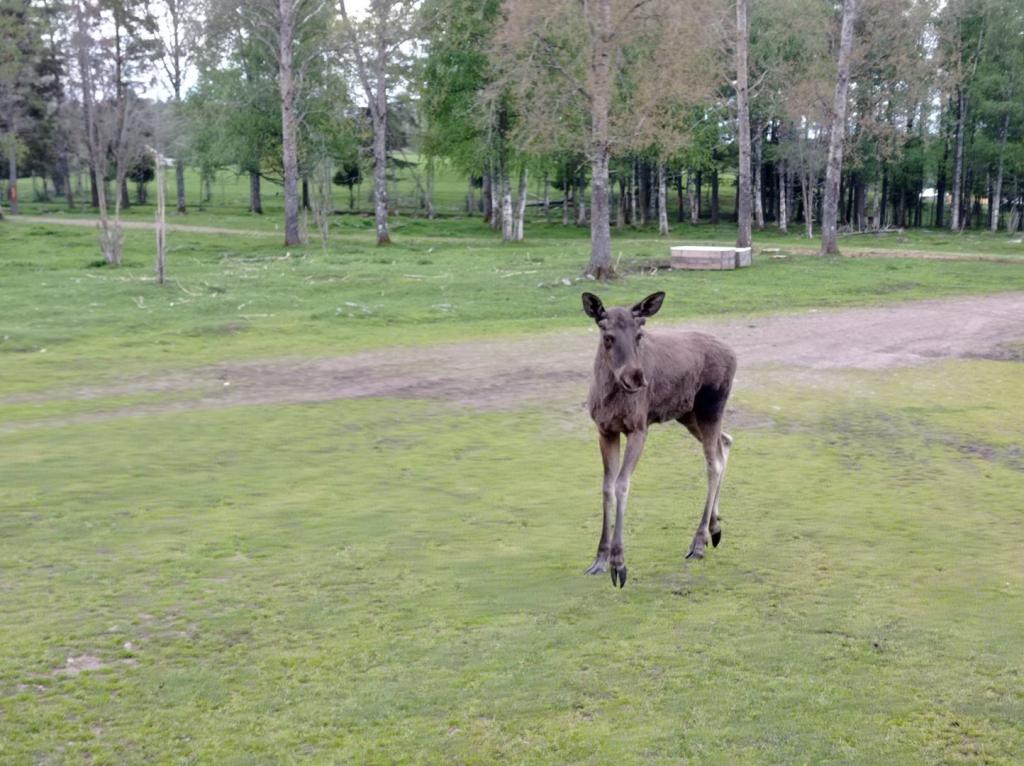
[[26, 88], [237, 113], [455, 70], [350, 174], [144, 170]]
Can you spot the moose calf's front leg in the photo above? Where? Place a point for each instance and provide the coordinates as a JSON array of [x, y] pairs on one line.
[[634, 448], [610, 458]]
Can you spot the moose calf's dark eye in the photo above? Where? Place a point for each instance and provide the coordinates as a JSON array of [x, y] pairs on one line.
[[639, 337], [608, 341]]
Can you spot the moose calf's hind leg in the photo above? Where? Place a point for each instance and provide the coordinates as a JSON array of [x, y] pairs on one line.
[[715, 465], [716, 522]]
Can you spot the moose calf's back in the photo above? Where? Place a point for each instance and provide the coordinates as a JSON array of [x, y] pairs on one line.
[[685, 371]]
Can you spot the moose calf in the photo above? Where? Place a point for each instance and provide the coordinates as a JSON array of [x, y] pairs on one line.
[[642, 378]]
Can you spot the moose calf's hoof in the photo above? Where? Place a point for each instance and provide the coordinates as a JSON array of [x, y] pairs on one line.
[[716, 537], [619, 576], [598, 567]]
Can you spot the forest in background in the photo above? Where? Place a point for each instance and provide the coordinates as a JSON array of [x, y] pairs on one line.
[[876, 113]]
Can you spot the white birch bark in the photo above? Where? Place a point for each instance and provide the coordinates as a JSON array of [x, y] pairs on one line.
[[662, 201], [837, 132], [997, 190], [507, 221], [520, 226], [743, 237]]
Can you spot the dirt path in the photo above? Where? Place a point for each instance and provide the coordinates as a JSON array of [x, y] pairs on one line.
[[555, 366], [92, 223], [921, 255]]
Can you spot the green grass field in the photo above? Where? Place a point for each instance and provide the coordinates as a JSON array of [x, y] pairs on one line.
[[398, 580]]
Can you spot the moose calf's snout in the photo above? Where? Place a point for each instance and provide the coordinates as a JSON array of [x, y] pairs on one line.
[[633, 379]]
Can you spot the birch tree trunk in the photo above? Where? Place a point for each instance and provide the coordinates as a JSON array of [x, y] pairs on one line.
[[639, 206], [179, 176], [599, 14], [487, 194], [109, 234], [662, 201], [69, 194], [161, 220], [430, 188], [680, 210], [12, 172], [714, 197], [581, 207], [633, 196], [692, 191], [940, 186], [958, 162], [289, 129], [380, 177], [520, 219], [743, 200], [377, 102], [808, 192], [783, 197], [834, 166], [255, 198], [507, 221], [757, 171], [620, 208], [547, 197], [996, 200]]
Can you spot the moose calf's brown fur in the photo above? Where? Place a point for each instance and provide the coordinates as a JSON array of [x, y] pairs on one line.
[[642, 378]]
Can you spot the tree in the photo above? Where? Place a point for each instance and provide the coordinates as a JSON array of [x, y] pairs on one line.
[[999, 92], [113, 44], [457, 75], [837, 134], [375, 45], [291, 36], [962, 34], [743, 238], [291, 31], [20, 43], [287, 21], [86, 20], [235, 107], [350, 174], [181, 38], [585, 73], [55, 121], [131, 49]]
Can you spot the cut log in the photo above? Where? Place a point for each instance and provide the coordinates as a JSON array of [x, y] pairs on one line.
[[708, 257]]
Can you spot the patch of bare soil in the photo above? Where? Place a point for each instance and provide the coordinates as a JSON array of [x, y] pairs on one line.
[[556, 366], [922, 255], [79, 663]]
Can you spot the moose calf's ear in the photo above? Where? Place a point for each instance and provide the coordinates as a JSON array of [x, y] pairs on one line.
[[593, 307], [649, 306]]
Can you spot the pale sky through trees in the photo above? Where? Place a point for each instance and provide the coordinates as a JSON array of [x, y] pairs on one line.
[[160, 91]]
